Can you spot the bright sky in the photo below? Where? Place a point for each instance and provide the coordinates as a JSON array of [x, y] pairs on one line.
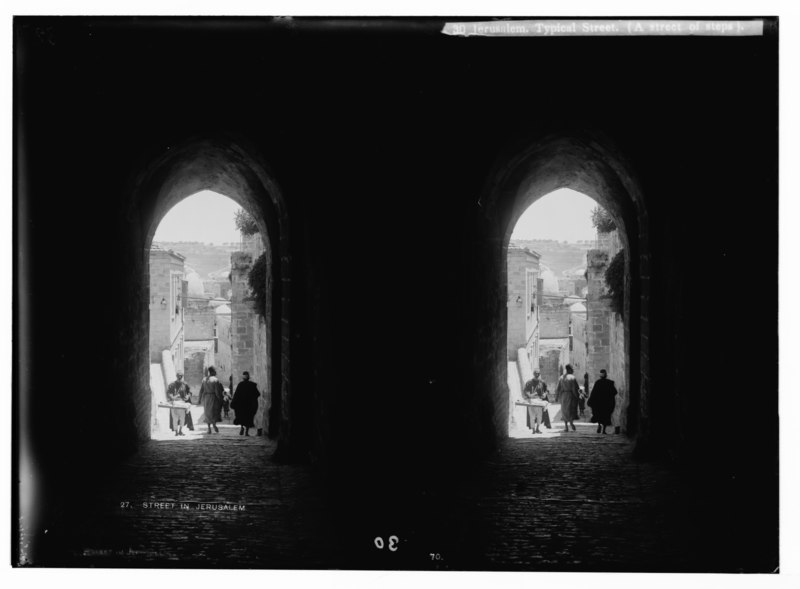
[[206, 216], [564, 215]]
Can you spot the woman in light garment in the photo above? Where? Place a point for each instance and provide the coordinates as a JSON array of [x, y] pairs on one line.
[[568, 393], [211, 394]]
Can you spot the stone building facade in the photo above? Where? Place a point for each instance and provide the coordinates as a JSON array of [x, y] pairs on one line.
[[167, 300], [208, 343], [605, 330], [579, 349], [199, 323], [249, 336], [598, 321], [618, 369], [252, 244], [223, 358], [198, 356], [554, 322], [524, 302], [553, 356], [212, 288]]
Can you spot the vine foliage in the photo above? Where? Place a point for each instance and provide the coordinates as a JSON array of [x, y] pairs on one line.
[[245, 222], [615, 281], [257, 281], [602, 221]]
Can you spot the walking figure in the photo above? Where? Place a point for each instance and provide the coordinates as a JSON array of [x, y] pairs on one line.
[[568, 393], [602, 401], [245, 404], [211, 394]]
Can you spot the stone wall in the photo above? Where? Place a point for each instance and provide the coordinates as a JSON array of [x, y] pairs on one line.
[[618, 370], [223, 354], [522, 318], [249, 335], [242, 317], [606, 335], [550, 366], [578, 354], [197, 358], [217, 288], [166, 308], [598, 311], [554, 322], [212, 288], [199, 324], [572, 286], [261, 369]]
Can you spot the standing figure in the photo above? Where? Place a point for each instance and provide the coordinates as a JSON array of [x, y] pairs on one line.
[[260, 418], [211, 393], [567, 393], [226, 402], [178, 391], [584, 394], [535, 388], [602, 401], [245, 404]]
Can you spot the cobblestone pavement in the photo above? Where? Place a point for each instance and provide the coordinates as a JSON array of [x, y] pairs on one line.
[[578, 501], [137, 520], [560, 501], [557, 501]]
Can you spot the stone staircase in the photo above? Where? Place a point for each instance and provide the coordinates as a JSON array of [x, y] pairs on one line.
[[158, 388]]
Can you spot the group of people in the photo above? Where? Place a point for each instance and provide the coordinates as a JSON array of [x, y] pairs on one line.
[[568, 393], [214, 398]]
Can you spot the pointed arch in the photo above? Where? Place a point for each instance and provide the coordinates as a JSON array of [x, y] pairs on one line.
[[230, 167], [587, 162]]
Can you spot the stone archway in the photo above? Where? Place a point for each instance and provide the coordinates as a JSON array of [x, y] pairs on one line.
[[590, 164], [546, 329], [226, 167]]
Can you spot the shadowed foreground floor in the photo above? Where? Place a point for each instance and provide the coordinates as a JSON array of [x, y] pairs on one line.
[[572, 501]]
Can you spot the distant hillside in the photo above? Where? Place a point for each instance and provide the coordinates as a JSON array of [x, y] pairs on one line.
[[208, 260], [559, 256]]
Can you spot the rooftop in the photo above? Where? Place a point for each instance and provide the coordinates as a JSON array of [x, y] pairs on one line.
[[157, 249], [527, 250]]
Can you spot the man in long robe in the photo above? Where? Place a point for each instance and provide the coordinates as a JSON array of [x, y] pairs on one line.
[[602, 401], [211, 394], [245, 404], [567, 393]]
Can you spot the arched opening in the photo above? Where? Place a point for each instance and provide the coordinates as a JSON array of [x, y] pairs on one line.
[[565, 301], [209, 312], [226, 168], [589, 164]]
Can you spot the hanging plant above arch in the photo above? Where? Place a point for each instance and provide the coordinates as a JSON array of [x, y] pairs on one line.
[[257, 281], [602, 220], [245, 222], [615, 281]]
